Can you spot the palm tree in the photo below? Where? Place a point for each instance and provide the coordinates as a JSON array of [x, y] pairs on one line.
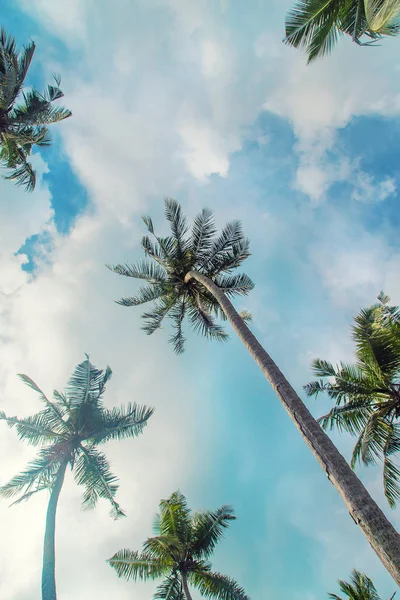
[[316, 25], [367, 393], [179, 552], [23, 125], [191, 275], [359, 588], [69, 429]]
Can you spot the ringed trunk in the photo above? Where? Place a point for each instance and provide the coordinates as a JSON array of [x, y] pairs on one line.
[[378, 530], [48, 569], [185, 587]]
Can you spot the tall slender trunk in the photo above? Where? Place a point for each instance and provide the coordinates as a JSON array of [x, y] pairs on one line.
[[379, 532], [185, 586], [48, 569]]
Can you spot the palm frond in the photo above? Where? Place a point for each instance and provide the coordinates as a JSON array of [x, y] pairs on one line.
[[153, 319], [170, 589], [137, 566], [177, 315], [86, 383], [383, 17], [208, 529], [204, 324], [153, 273], [203, 232], [174, 518], [352, 417], [234, 284], [121, 423], [179, 228], [144, 295], [24, 62], [39, 474], [92, 470], [312, 24], [35, 429], [216, 586], [167, 548], [24, 175], [54, 413]]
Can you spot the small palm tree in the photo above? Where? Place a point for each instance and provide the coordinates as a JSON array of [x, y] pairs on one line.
[[367, 394], [23, 125], [190, 274], [179, 553], [69, 429], [359, 588], [316, 25]]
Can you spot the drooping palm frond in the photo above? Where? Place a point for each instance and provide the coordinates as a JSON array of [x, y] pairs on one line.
[[367, 393], [215, 585], [317, 24], [170, 589], [177, 553], [199, 248]]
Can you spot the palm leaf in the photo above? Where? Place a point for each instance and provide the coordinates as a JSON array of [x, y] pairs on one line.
[[137, 566], [170, 589], [121, 423], [215, 585], [208, 529]]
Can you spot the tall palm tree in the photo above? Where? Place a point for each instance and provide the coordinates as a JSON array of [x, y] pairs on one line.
[[367, 393], [24, 124], [191, 276], [316, 25], [69, 429], [359, 588], [179, 552]]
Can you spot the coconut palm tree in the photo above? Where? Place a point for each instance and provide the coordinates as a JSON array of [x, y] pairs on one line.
[[69, 429], [191, 275], [359, 588], [180, 551], [316, 25], [367, 393], [24, 116]]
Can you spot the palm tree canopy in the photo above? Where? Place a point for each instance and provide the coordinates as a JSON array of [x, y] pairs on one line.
[[25, 124], [68, 429], [316, 25], [169, 259], [367, 393], [360, 587], [182, 544]]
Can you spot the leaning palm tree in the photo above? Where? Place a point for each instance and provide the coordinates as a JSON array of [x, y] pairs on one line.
[[192, 276], [179, 553], [23, 124], [367, 393], [69, 429], [316, 25], [359, 588]]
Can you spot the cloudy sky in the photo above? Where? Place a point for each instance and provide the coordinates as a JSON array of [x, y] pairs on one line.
[[199, 100]]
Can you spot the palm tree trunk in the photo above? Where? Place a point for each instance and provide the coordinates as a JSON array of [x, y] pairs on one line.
[[379, 532], [48, 569], [185, 587]]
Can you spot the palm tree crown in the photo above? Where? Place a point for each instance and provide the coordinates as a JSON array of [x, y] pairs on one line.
[[367, 394], [23, 125], [359, 588], [179, 553], [172, 257], [316, 25], [69, 428]]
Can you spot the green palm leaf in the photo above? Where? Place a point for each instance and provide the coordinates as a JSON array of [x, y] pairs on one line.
[[137, 566], [215, 585]]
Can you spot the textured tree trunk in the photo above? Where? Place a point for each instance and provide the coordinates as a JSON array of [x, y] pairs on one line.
[[185, 587], [379, 532], [48, 569]]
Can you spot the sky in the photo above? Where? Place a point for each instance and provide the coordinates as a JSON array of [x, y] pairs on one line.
[[197, 100]]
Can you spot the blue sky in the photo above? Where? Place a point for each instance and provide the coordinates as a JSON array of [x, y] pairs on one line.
[[199, 100]]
